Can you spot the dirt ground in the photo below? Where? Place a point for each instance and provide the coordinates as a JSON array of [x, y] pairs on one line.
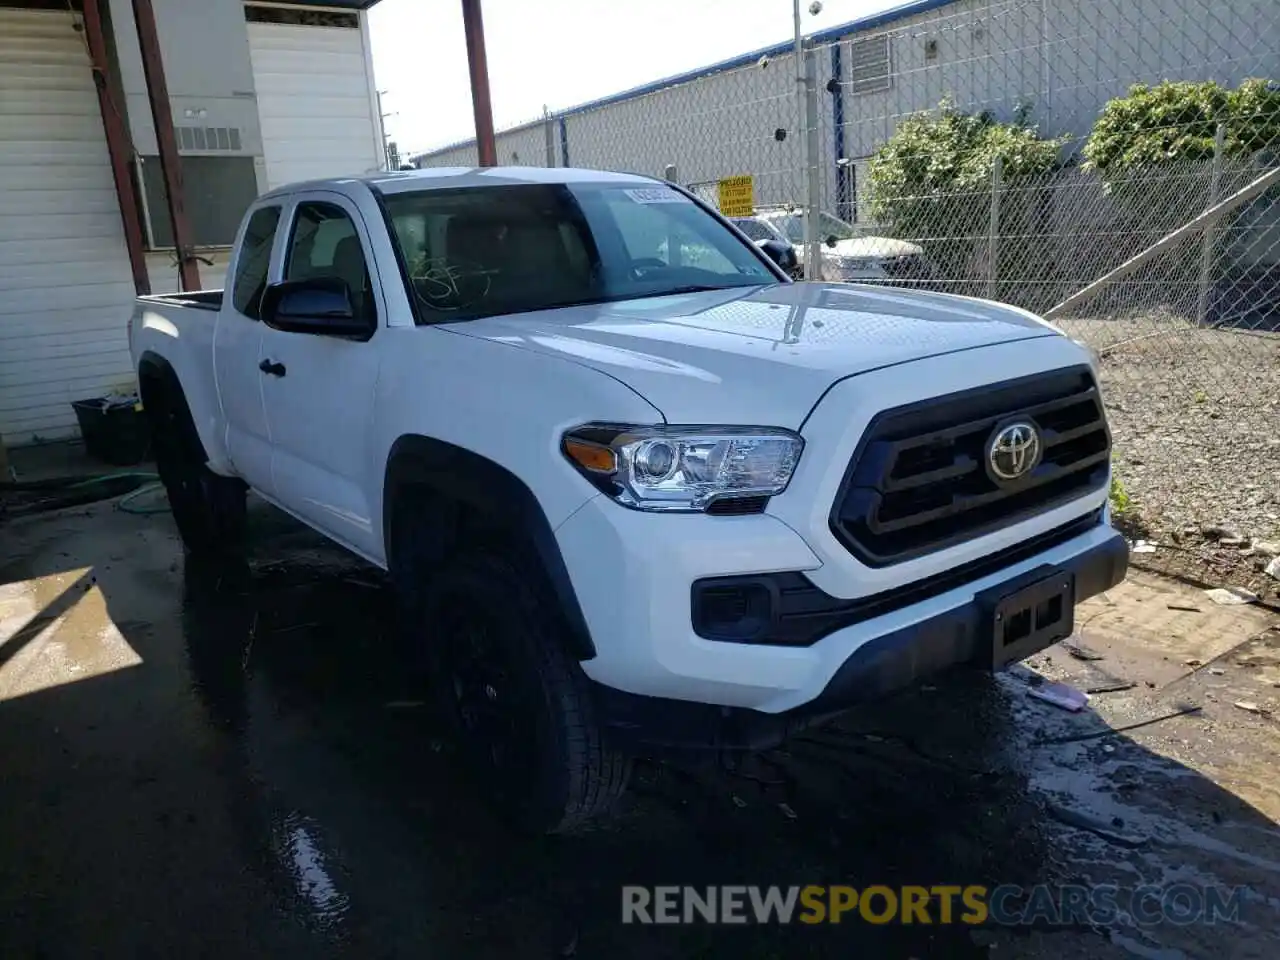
[[1193, 414], [196, 767]]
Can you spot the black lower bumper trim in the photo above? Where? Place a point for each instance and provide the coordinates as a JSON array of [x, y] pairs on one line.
[[889, 663]]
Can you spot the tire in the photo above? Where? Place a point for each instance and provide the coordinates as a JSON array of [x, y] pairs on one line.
[[209, 509], [518, 705]]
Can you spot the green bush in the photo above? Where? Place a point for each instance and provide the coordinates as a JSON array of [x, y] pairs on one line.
[[1178, 121], [931, 181]]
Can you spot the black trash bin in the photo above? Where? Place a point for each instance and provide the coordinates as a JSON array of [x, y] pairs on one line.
[[114, 431]]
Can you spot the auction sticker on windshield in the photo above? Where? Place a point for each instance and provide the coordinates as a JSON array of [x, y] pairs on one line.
[[656, 195]]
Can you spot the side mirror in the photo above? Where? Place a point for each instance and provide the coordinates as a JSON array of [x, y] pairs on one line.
[[832, 241], [781, 253], [319, 305]]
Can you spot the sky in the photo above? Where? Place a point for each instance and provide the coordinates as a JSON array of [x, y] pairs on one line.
[[560, 53]]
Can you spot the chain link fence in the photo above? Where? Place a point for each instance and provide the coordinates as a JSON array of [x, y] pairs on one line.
[[999, 148]]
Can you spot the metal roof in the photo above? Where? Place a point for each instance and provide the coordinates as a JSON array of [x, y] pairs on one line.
[[869, 22]]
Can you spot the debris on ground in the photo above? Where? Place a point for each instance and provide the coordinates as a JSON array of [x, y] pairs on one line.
[[1183, 710], [1273, 568], [1060, 695], [1078, 650], [1250, 707], [1111, 830], [1111, 686], [1228, 596], [1219, 532], [1186, 607], [1143, 546], [1217, 671]]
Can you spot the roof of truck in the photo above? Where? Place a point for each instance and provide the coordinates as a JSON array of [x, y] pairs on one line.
[[442, 177]]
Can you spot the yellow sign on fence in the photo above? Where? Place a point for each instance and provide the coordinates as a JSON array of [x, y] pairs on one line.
[[737, 196]]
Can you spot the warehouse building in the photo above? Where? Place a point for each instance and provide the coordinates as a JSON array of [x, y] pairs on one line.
[[261, 94], [1054, 61]]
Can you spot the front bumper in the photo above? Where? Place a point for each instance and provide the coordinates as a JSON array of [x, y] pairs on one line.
[[891, 661], [633, 572]]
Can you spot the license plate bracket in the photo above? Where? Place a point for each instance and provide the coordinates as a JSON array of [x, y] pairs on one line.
[[1031, 618]]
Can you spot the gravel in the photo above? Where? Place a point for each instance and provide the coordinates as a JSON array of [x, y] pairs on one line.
[[1194, 414]]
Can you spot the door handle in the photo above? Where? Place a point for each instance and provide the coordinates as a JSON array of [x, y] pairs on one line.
[[271, 369]]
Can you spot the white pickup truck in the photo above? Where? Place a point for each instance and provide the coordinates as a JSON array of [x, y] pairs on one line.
[[634, 486]]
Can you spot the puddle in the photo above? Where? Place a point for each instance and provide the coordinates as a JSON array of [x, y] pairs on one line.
[[271, 758]]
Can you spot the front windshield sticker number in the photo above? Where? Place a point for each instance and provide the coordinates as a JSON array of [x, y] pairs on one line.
[[656, 195]]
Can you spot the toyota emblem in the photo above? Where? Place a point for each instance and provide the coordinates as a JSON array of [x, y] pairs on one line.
[[1013, 451]]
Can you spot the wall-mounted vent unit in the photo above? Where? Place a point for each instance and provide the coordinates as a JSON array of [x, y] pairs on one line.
[[208, 139], [871, 65]]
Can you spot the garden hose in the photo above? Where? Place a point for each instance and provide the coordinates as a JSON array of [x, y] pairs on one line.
[[77, 491]]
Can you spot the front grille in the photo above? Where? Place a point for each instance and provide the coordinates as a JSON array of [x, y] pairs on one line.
[[918, 480]]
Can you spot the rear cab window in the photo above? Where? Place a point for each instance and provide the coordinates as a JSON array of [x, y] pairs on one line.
[[254, 261]]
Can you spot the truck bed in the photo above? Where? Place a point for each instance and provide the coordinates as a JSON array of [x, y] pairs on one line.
[[196, 299]]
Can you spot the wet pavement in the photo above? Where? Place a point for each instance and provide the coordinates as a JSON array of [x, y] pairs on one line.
[[215, 765]]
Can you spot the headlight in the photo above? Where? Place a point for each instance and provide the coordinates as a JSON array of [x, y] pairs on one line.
[[683, 468]]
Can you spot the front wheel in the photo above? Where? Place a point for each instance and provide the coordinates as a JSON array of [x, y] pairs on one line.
[[519, 706]]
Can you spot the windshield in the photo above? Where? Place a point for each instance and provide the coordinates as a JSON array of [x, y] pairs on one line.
[[480, 251]]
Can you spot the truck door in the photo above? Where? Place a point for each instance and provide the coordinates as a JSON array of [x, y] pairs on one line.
[[236, 347], [318, 389]]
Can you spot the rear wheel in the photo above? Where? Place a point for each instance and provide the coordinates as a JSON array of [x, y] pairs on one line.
[[209, 509], [519, 706]]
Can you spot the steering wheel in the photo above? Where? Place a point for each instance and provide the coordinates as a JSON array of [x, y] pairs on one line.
[[641, 265]]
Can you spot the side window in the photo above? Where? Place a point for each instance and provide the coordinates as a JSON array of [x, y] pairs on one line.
[[255, 257], [325, 243]]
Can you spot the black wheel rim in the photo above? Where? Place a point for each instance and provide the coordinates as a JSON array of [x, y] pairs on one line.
[[493, 714]]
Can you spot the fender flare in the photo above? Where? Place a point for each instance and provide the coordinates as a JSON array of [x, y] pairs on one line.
[[152, 367], [473, 481]]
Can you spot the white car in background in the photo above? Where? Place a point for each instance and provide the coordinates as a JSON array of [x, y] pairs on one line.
[[849, 256]]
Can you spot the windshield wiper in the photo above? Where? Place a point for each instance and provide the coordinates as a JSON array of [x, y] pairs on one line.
[[691, 288]]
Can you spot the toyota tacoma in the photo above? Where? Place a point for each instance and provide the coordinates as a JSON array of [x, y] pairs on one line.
[[634, 488]]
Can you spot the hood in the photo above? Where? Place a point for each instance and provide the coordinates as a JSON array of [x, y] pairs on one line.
[[759, 356]]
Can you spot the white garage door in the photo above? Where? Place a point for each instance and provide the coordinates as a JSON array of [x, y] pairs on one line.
[[65, 283], [314, 101]]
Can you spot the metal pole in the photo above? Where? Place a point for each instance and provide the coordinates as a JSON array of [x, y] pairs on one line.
[[473, 25], [1206, 248], [170, 164], [813, 251], [118, 148], [810, 266], [549, 131], [993, 228]]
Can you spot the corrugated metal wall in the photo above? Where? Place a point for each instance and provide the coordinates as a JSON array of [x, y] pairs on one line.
[[65, 283]]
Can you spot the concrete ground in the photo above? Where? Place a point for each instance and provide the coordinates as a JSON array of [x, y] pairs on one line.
[[196, 767]]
